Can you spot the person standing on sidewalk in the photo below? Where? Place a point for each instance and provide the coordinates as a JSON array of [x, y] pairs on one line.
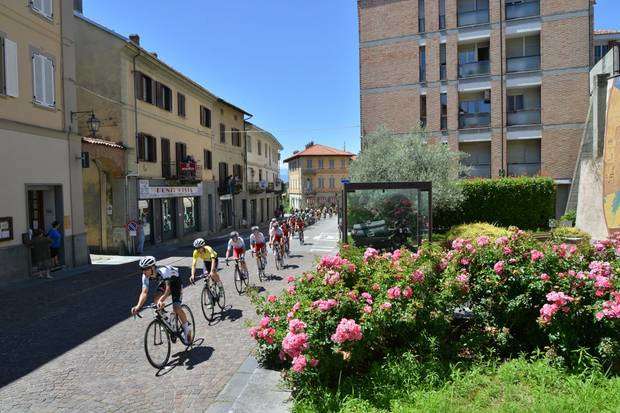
[[56, 237]]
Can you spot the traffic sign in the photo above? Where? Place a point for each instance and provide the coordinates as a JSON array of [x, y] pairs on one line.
[[132, 227], [344, 181]]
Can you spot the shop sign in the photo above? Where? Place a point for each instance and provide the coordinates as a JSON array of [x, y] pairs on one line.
[[149, 192]]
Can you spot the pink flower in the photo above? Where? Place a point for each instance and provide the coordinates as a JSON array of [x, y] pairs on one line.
[[464, 261], [457, 244], [507, 250], [417, 277], [293, 344], [335, 262], [290, 279], [544, 277], [352, 295], [407, 292], [482, 241], [396, 255], [512, 261], [272, 298], [560, 298], [499, 267], [265, 321], [347, 330], [299, 363], [501, 241], [463, 278], [367, 309], [611, 308], [376, 287], [291, 289], [314, 362], [331, 278], [296, 326], [393, 293], [386, 305], [367, 297], [254, 331], [309, 277], [370, 253], [547, 312], [536, 255], [325, 305]]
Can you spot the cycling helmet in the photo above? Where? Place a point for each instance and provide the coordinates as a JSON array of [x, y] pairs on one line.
[[199, 242], [147, 262], [274, 220], [234, 234], [254, 228]]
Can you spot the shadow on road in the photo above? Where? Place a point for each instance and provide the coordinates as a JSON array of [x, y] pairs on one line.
[[189, 358], [291, 266]]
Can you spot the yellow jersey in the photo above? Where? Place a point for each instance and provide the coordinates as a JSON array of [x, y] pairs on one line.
[[207, 255]]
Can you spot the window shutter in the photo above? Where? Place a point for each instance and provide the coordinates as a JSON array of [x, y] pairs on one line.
[[140, 144], [153, 149], [48, 74], [159, 102], [11, 73], [39, 87], [138, 85]]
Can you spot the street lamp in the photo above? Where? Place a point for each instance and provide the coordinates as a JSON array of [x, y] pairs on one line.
[[93, 123]]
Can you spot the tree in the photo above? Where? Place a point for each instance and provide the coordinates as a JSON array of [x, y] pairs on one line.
[[388, 157]]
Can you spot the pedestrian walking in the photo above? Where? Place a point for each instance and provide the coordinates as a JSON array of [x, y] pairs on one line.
[[56, 237]]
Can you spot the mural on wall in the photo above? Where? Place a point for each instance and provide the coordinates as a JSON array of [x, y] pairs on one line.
[[611, 171]]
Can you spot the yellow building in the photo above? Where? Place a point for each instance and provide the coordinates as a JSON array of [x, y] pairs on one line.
[[184, 146], [40, 169], [315, 175], [263, 173]]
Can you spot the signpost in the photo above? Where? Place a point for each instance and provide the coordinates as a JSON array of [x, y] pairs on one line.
[[132, 227]]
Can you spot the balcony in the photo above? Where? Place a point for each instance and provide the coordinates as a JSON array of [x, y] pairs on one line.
[[182, 171], [255, 188], [479, 170], [523, 117], [470, 18], [278, 187], [270, 187], [224, 188], [474, 120], [522, 8], [524, 169], [522, 63], [471, 69]]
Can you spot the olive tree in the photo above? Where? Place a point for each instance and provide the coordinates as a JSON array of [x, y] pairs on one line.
[[389, 157]]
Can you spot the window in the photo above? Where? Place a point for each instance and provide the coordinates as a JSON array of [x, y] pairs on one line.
[[443, 102], [248, 142], [43, 75], [421, 12], [309, 163], [236, 137], [342, 164], [320, 163], [238, 172], [181, 104], [144, 87], [147, 148], [443, 73], [223, 172], [208, 159], [422, 63], [9, 74], [331, 164], [515, 103], [205, 117], [423, 111], [600, 51], [260, 174], [259, 147], [43, 7], [332, 182], [442, 14], [163, 97], [320, 183], [222, 133], [166, 170]]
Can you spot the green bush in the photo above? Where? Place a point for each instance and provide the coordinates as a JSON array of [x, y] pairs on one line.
[[478, 229], [524, 202], [564, 233], [569, 216]]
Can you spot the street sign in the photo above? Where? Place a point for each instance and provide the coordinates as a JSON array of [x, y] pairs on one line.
[[344, 181], [132, 227]]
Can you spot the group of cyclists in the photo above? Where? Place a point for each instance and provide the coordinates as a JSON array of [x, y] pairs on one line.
[[167, 279]]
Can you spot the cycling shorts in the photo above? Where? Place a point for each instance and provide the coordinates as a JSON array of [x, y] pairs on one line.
[[259, 246], [176, 289], [208, 267], [238, 252]]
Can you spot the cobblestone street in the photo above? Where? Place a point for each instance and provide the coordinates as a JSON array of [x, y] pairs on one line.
[[71, 344]]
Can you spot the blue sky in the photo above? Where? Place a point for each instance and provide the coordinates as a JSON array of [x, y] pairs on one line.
[[292, 64]]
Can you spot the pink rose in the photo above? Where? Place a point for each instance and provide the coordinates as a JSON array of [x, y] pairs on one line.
[[299, 363], [499, 267], [367, 309], [544, 277], [265, 321], [386, 305], [407, 292], [347, 330], [393, 293], [272, 298], [290, 279]]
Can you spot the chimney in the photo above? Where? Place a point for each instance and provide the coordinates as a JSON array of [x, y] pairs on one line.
[[134, 38], [77, 6], [154, 55]]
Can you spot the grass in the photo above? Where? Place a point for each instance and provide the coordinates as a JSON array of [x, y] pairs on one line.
[[404, 385]]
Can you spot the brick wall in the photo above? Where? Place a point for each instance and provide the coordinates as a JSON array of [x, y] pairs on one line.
[[380, 19], [398, 111], [555, 163], [564, 98], [387, 65], [563, 45]]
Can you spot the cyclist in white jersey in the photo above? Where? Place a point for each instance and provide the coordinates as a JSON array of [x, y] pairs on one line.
[[236, 246]]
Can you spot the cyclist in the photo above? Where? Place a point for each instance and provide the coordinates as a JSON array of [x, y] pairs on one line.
[[276, 238], [285, 236], [168, 284], [258, 244], [237, 247], [299, 226], [209, 257]]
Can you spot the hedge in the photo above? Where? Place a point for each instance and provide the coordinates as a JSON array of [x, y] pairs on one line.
[[525, 202]]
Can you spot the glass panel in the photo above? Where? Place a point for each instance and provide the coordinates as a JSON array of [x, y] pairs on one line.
[[168, 218], [189, 214]]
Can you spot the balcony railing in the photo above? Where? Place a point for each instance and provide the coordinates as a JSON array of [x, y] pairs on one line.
[[523, 8], [523, 117], [482, 67], [224, 188], [524, 169], [255, 188], [270, 187], [474, 120], [469, 18], [183, 171], [479, 170], [523, 63]]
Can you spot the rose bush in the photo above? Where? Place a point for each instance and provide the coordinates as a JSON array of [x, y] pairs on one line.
[[477, 299]]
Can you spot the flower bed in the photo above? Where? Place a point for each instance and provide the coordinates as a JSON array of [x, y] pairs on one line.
[[480, 299]]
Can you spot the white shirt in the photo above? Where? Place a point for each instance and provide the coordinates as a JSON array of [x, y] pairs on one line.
[[240, 244], [257, 239]]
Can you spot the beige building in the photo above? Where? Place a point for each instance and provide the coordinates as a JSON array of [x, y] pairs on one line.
[[183, 173], [315, 174], [40, 168], [503, 81], [263, 174]]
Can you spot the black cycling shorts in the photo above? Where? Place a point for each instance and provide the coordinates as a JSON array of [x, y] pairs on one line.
[[208, 265], [176, 289]]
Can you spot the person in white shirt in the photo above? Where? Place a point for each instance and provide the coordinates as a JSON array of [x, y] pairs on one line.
[[236, 246]]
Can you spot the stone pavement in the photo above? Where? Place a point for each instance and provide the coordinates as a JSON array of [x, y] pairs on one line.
[[70, 344]]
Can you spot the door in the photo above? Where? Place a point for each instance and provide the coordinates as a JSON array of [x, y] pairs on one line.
[[168, 218], [36, 210], [253, 212]]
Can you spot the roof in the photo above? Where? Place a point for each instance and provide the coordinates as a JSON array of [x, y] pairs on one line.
[[607, 31], [150, 55], [263, 131], [320, 150], [103, 142]]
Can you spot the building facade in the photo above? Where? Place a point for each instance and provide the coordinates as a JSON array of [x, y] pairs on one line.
[[505, 82], [263, 174], [604, 41], [183, 147], [315, 176], [41, 174]]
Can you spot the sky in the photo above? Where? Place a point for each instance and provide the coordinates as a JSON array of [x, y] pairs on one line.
[[293, 64]]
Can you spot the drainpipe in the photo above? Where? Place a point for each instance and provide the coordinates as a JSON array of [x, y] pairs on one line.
[[127, 173], [502, 171], [101, 225]]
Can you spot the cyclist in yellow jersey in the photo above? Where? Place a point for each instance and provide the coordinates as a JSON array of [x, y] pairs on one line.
[[205, 253]]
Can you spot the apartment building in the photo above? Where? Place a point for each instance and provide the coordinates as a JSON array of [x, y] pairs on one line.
[[182, 147], [603, 42], [315, 176], [263, 174], [40, 169], [505, 81]]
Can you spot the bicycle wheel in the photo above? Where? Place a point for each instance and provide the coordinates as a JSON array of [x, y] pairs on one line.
[[277, 261], [261, 269], [192, 324], [157, 344], [221, 296], [238, 281], [246, 280], [207, 302]]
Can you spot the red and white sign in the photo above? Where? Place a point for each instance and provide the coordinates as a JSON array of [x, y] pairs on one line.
[[150, 192]]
